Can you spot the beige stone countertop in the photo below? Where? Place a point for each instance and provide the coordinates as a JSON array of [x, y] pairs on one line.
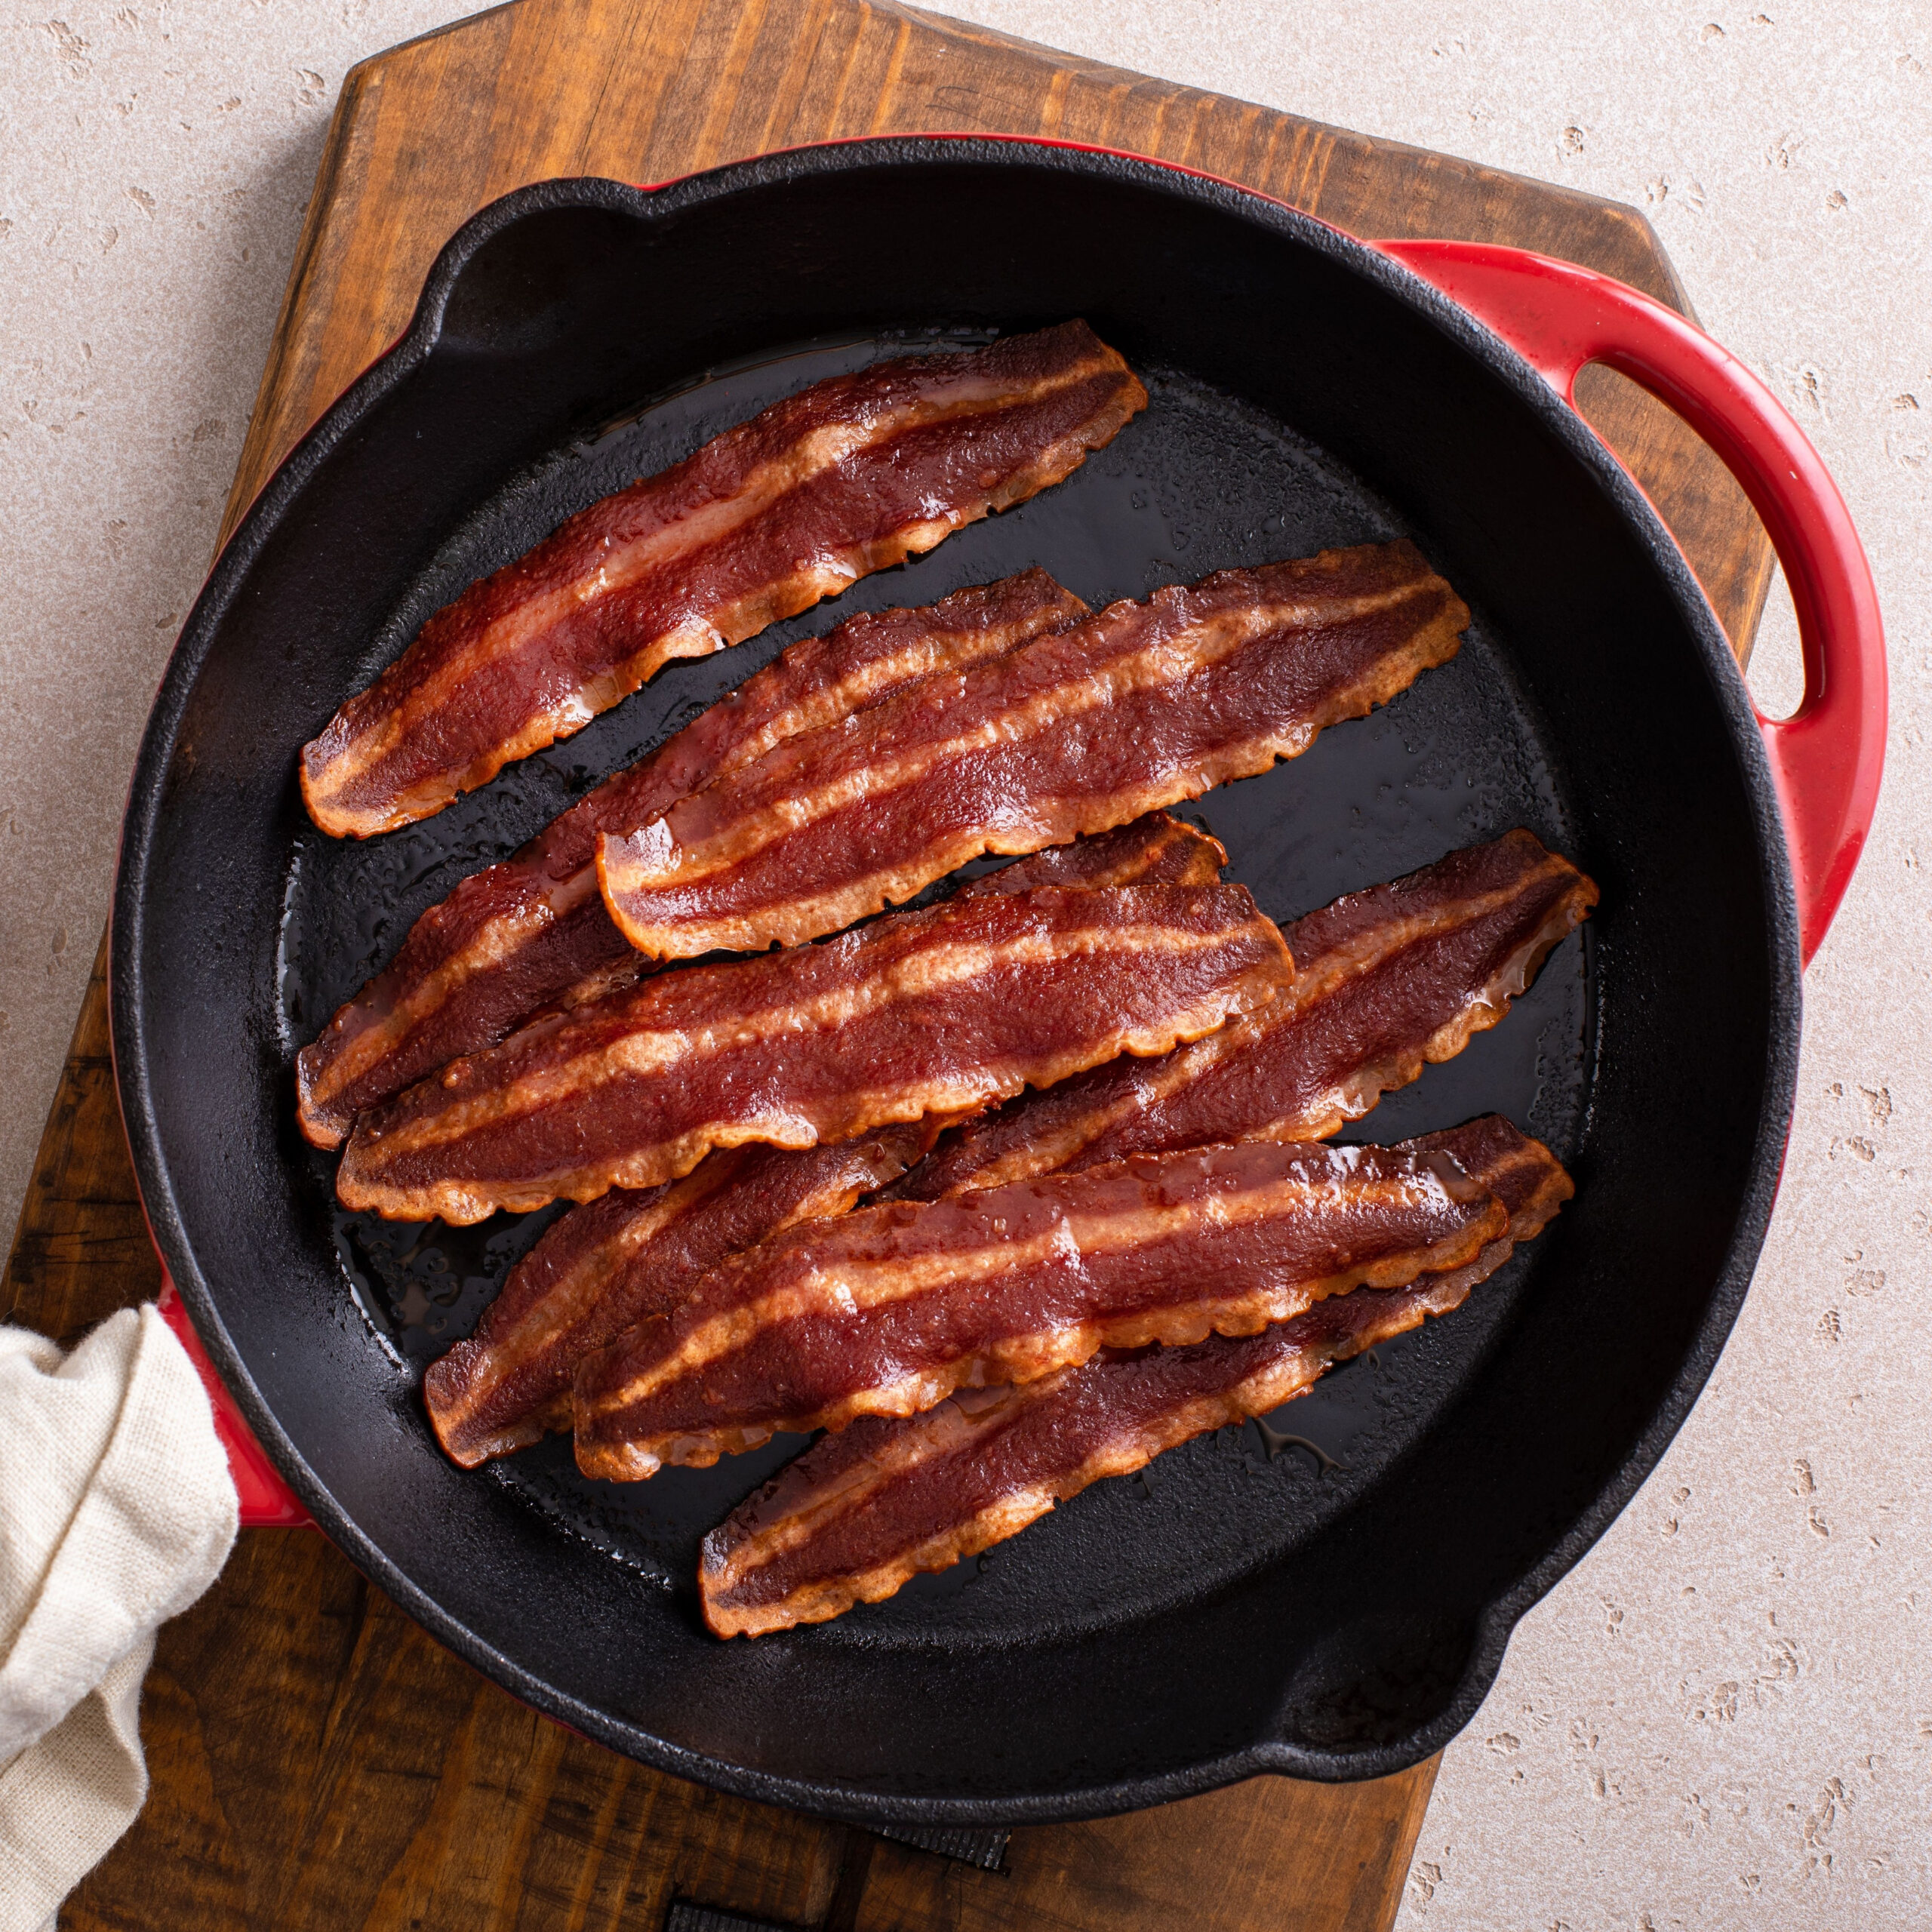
[[1723, 1717]]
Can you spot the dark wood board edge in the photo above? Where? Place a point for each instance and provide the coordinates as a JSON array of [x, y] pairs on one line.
[[1272, 1853], [81, 1249]]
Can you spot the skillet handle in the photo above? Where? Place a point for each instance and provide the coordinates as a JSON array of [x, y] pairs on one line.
[[1827, 757], [267, 1501]]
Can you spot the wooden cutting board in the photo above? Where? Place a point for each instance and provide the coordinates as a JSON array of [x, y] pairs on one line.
[[317, 1761]]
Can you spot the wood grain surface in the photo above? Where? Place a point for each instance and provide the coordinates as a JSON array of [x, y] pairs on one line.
[[317, 1761]]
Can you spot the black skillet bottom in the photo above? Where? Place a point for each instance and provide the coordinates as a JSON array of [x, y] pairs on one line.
[[1199, 482]]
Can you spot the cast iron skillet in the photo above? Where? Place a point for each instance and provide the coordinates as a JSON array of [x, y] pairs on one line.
[[1335, 1616]]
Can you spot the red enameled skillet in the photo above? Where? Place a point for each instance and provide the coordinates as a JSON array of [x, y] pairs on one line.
[[1236, 1613]]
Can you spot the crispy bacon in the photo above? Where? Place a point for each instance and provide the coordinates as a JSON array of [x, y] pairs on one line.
[[633, 1255], [622, 1258], [1386, 981], [863, 1511], [888, 1311], [851, 476], [936, 1012], [1157, 850], [518, 936], [1139, 707]]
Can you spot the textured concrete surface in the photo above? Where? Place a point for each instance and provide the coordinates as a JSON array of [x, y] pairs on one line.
[[1723, 1717]]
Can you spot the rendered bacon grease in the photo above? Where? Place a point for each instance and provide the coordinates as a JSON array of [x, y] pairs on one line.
[[1386, 981], [633, 1255], [889, 1310], [851, 476], [1139, 707], [518, 936], [938, 1012], [865, 1510]]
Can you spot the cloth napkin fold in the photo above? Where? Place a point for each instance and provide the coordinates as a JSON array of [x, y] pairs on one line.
[[117, 1511]]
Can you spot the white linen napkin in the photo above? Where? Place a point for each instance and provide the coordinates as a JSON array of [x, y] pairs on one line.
[[116, 1512]]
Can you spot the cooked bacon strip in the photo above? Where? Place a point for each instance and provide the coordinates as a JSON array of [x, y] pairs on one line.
[[887, 1311], [937, 1012], [515, 937], [1386, 981], [1140, 707], [609, 1265], [631, 1255], [1154, 850], [863, 1512], [1521, 1173], [851, 476]]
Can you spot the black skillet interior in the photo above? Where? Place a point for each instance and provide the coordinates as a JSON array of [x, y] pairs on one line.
[[1333, 1611]]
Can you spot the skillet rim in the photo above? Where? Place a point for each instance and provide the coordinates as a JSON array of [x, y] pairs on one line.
[[282, 493]]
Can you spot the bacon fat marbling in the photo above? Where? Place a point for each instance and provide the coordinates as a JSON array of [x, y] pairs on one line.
[[621, 1259], [1138, 706], [851, 476], [1157, 850], [889, 1310], [936, 1012], [633, 1253], [1386, 981], [867, 1509], [518, 936]]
